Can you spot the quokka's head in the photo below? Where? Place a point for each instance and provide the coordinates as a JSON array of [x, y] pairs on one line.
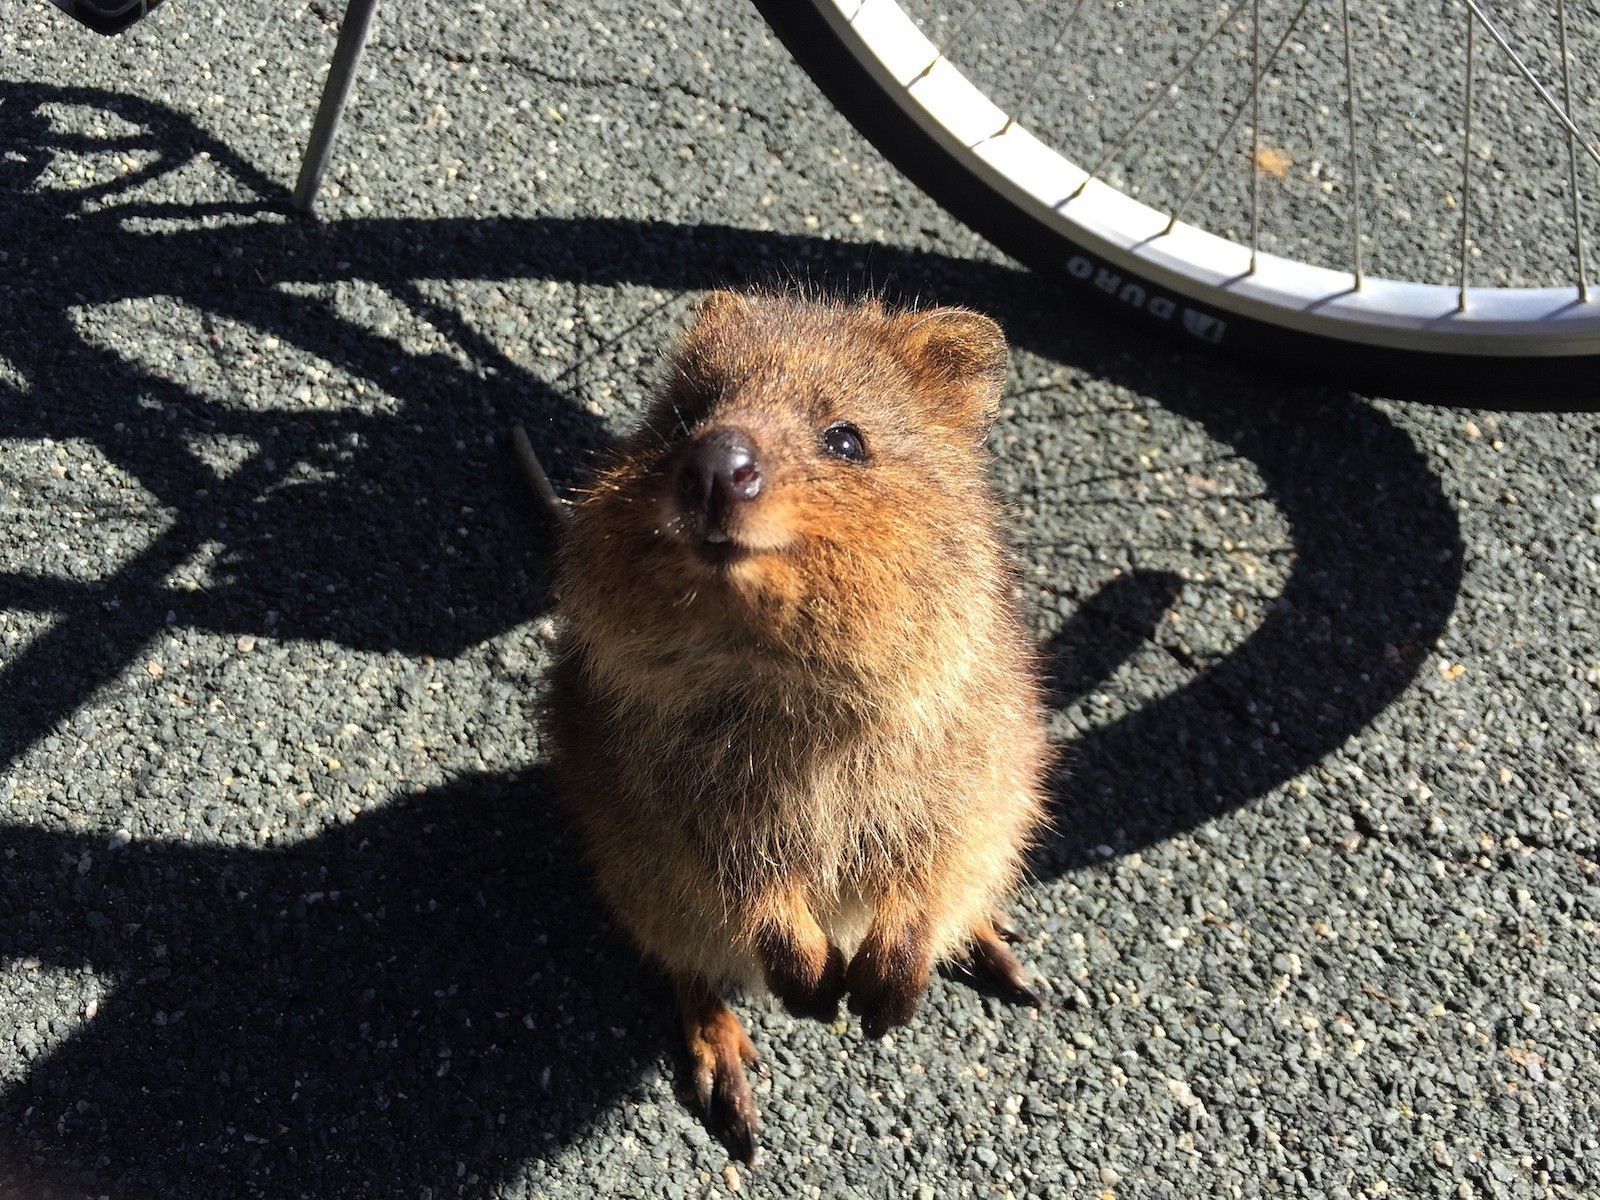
[[811, 476]]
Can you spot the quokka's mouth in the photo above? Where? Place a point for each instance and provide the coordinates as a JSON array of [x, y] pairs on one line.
[[717, 549]]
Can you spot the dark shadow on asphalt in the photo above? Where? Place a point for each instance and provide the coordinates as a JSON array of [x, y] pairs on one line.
[[410, 1001], [1376, 568], [255, 974], [1105, 630]]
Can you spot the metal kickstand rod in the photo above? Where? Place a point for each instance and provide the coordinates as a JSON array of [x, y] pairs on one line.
[[353, 33]]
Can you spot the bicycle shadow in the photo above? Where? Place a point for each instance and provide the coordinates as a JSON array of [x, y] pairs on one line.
[[387, 530], [364, 552]]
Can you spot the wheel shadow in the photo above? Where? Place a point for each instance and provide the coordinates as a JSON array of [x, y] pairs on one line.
[[408, 530], [1377, 564]]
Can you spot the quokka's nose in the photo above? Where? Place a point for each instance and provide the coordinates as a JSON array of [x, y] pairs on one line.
[[720, 472]]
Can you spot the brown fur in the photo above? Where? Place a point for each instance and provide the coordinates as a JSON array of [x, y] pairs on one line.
[[816, 765]]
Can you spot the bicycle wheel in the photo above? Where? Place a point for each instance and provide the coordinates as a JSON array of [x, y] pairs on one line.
[[973, 149]]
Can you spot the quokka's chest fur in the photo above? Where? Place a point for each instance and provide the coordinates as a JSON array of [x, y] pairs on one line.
[[812, 788]]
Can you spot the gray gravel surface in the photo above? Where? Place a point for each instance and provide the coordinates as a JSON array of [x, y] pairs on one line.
[[285, 908]]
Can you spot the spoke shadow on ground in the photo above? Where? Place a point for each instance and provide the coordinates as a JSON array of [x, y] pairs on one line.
[[327, 965]]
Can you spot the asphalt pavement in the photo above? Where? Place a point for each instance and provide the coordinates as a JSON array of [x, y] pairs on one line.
[[286, 909]]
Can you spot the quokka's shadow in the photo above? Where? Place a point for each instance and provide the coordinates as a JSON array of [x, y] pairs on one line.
[[425, 995]]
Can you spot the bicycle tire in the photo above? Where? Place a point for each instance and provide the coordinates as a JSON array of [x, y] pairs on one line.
[[1551, 362]]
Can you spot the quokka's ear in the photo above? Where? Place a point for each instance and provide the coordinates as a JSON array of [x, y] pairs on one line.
[[962, 355]]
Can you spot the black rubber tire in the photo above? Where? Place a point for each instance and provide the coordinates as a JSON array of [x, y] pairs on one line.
[[109, 17], [1530, 382]]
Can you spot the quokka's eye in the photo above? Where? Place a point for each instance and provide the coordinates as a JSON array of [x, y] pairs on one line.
[[844, 440]]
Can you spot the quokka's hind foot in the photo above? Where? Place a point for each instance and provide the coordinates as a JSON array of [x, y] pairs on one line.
[[719, 1051], [990, 961], [818, 999]]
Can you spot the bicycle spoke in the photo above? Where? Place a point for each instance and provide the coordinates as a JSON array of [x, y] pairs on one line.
[[1033, 89], [1466, 168], [961, 25], [1255, 132], [1161, 96], [1476, 15], [1572, 153], [1493, 30], [1355, 177], [1205, 167], [943, 51]]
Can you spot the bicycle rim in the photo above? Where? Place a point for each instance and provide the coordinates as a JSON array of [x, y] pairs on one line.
[[1528, 345]]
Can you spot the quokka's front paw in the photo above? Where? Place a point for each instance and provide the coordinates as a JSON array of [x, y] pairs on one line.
[[813, 994], [885, 984]]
